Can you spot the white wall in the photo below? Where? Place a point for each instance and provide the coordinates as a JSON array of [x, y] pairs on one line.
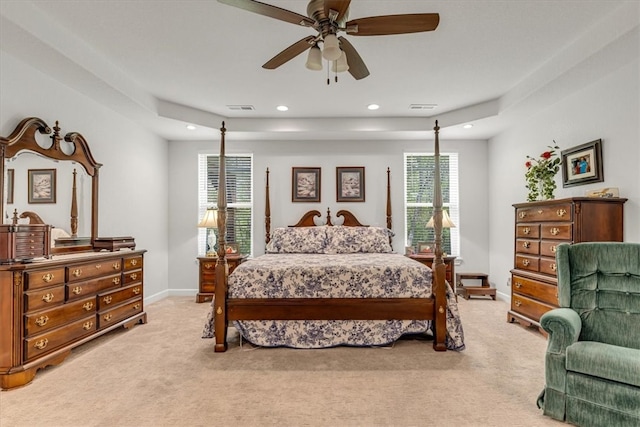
[[133, 179], [280, 157], [606, 109]]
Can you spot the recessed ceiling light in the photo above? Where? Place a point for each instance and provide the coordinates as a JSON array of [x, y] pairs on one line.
[[191, 127], [282, 108], [373, 106], [468, 126]]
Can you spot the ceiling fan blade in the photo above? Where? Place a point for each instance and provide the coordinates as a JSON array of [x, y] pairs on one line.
[[271, 11], [393, 24], [289, 53], [357, 68], [340, 6]]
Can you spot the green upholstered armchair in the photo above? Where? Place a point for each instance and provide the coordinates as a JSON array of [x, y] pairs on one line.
[[592, 363]]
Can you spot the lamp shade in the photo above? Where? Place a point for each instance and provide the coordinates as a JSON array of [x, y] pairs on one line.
[[210, 219], [331, 50], [314, 59], [341, 65], [446, 221]]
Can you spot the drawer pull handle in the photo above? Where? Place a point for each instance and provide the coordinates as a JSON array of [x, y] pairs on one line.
[[116, 266], [134, 262], [553, 267], [555, 231], [518, 285], [47, 277], [87, 325], [116, 280], [518, 303], [136, 291], [526, 230], [209, 265], [87, 305], [47, 297], [77, 272], [136, 307], [77, 290], [561, 212], [133, 276], [526, 245], [107, 299], [525, 262], [522, 215], [41, 344], [42, 320], [98, 266], [553, 249], [107, 317]]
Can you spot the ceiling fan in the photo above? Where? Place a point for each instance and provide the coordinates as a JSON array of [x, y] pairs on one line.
[[328, 18]]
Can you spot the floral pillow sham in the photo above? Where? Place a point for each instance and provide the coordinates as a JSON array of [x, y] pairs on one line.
[[330, 240]]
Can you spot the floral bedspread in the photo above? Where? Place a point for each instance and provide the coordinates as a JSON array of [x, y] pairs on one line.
[[356, 275]]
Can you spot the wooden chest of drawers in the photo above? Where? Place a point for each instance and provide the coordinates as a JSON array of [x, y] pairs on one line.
[[539, 228], [207, 276], [50, 306], [24, 241]]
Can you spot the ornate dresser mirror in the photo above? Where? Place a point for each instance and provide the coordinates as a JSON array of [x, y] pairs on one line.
[[50, 180]]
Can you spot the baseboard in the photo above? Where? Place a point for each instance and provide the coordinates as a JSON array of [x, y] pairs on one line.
[[170, 293]]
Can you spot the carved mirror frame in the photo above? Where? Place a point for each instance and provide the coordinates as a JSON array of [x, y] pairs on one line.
[[23, 138]]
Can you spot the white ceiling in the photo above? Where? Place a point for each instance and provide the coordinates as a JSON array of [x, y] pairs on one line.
[[169, 63]]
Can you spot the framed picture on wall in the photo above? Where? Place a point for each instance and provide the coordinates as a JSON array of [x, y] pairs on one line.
[[350, 184], [582, 164], [10, 180], [42, 186], [305, 184]]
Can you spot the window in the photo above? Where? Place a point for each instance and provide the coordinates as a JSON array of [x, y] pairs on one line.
[[419, 173], [239, 173]]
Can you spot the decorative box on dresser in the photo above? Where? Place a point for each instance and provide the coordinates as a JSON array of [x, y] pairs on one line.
[[49, 307], [207, 276], [539, 228]]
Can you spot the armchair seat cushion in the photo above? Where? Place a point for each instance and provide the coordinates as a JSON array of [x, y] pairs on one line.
[[619, 364]]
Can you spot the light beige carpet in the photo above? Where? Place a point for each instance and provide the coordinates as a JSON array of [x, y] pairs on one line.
[[164, 374]]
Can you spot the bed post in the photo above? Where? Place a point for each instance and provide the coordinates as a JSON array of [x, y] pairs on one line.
[[267, 212], [389, 201], [439, 269], [220, 296]]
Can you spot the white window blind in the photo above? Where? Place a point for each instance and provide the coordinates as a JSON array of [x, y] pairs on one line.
[[419, 171], [239, 176]]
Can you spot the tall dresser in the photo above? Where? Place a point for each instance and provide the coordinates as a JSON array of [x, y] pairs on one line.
[[539, 228], [48, 307]]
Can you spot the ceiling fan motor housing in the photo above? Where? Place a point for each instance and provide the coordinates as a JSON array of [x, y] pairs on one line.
[[328, 23]]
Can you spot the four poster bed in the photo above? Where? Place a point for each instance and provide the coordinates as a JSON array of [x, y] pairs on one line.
[[322, 285]]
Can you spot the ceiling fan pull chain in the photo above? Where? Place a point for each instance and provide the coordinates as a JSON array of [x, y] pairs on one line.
[[328, 75]]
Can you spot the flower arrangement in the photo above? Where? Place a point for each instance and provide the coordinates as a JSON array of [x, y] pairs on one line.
[[541, 174]]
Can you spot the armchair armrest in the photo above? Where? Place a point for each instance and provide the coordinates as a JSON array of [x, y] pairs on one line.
[[564, 326]]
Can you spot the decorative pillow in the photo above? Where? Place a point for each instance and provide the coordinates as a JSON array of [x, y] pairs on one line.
[[348, 240], [298, 240]]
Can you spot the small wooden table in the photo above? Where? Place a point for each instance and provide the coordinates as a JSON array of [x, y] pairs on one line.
[[448, 262], [207, 285], [484, 289]]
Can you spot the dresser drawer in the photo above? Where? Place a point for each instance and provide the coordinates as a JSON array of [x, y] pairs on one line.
[[548, 266], [524, 246], [112, 316], [113, 298], [529, 307], [133, 263], [556, 231], [94, 269], [540, 291], [559, 212], [44, 343], [91, 287], [39, 299], [548, 247], [41, 321], [131, 277], [524, 262], [531, 231], [44, 278]]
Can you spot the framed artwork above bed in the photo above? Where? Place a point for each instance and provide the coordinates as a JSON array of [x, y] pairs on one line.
[[350, 184], [305, 184]]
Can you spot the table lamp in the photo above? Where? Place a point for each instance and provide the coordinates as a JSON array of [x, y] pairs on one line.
[[446, 221], [210, 222]]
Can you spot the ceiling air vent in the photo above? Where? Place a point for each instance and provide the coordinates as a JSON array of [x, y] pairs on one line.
[[422, 106], [241, 107]]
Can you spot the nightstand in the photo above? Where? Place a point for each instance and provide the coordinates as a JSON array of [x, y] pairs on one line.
[[207, 285], [448, 262]]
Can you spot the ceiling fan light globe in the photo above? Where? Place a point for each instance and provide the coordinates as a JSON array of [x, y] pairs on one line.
[[331, 50], [341, 65], [314, 59]]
